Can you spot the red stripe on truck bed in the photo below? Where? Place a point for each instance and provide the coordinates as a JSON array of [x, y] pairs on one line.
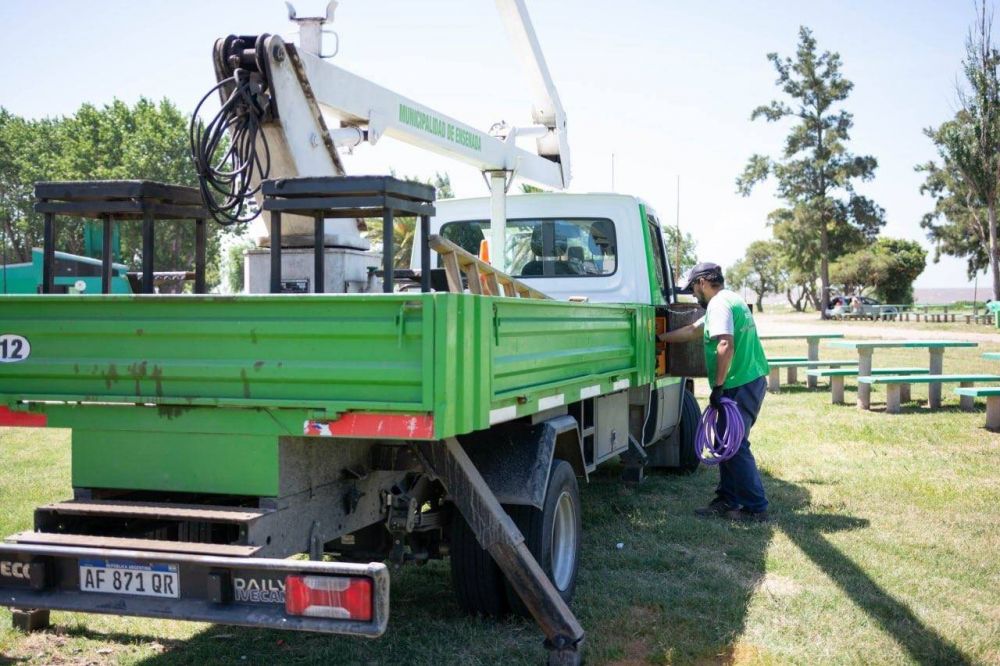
[[9, 417], [380, 426]]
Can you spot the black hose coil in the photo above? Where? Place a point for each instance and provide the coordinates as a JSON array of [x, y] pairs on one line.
[[226, 179]]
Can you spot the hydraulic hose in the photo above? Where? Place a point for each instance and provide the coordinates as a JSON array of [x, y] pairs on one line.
[[226, 170], [713, 447]]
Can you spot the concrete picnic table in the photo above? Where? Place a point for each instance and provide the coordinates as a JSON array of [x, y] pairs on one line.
[[866, 347], [812, 340]]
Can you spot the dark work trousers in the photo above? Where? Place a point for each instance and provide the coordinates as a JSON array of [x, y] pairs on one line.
[[739, 480]]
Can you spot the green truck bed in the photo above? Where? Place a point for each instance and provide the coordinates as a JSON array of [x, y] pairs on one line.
[[149, 383]]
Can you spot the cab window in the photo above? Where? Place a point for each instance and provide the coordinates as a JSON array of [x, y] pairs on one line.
[[549, 247]]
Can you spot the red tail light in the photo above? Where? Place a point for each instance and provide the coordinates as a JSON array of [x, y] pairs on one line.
[[344, 598]]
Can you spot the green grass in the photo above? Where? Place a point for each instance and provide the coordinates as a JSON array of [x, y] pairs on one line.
[[883, 549]]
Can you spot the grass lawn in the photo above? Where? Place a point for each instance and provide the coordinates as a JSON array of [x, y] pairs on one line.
[[883, 548]]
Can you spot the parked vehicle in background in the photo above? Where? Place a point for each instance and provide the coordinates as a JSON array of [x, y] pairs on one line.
[[844, 306]]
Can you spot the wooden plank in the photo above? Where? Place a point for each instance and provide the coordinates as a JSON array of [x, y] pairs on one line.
[[492, 285], [488, 279], [472, 273], [453, 272]]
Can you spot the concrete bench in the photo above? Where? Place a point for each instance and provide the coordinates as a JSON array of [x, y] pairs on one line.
[[774, 380], [837, 380], [992, 395], [784, 359], [894, 382]]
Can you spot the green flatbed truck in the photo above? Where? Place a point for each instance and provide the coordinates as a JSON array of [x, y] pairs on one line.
[[215, 436]]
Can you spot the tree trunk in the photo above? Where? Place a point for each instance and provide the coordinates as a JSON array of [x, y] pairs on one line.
[[810, 294], [824, 268], [760, 302], [797, 304], [994, 254]]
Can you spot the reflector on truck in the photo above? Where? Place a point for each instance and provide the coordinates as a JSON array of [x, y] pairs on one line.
[[327, 596]]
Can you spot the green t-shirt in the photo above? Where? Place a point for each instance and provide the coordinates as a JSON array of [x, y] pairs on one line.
[[728, 314]]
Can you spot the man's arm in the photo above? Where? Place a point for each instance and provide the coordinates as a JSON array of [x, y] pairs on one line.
[[724, 359], [687, 333]]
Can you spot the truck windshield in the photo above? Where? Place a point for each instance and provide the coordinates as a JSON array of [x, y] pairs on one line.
[[552, 247]]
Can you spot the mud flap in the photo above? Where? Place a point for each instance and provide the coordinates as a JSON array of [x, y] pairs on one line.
[[515, 459]]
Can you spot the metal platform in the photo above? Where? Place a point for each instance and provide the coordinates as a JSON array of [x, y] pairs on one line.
[[120, 200], [156, 510], [346, 197]]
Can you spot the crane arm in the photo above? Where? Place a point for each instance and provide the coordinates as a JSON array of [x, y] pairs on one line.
[[299, 90], [547, 110]]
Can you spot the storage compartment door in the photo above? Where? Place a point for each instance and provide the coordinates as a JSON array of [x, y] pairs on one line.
[[685, 359]]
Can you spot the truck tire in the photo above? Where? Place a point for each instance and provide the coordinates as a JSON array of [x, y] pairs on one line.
[[690, 415], [553, 533], [479, 584]]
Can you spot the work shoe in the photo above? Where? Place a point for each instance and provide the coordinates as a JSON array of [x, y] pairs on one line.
[[744, 515], [717, 508]]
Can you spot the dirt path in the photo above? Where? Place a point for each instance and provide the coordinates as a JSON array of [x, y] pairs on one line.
[[796, 323]]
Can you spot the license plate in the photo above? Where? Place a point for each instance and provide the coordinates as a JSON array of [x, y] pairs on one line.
[[125, 577]]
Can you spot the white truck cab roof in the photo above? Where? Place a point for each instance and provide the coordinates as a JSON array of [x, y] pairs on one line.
[[604, 267]]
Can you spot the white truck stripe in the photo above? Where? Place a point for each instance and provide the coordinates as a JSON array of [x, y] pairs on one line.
[[503, 414], [551, 401]]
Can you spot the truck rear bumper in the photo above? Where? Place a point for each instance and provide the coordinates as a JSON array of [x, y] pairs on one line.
[[225, 590]]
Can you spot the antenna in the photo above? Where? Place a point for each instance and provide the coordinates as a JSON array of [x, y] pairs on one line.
[[680, 240]]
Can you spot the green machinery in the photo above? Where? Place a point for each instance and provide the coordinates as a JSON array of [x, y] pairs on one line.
[[72, 273]]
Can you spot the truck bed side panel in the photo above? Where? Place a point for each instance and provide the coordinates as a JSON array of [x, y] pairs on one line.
[[541, 347], [332, 351]]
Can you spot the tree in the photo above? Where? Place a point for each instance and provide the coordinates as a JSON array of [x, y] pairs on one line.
[[148, 140], [860, 271], [967, 183], [760, 270], [959, 225], [27, 151], [688, 249], [815, 165], [799, 253], [888, 267], [235, 263]]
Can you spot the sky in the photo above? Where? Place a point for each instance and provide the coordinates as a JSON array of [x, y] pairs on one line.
[[665, 87]]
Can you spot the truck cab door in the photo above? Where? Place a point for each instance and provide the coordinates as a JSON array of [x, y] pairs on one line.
[[666, 403]]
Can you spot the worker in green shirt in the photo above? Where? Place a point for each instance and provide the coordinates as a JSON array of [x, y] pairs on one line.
[[737, 369]]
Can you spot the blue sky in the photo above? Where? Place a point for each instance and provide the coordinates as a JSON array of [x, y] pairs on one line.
[[666, 86]]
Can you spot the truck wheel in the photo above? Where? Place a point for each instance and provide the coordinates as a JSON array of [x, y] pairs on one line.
[[552, 533], [690, 415], [478, 581]]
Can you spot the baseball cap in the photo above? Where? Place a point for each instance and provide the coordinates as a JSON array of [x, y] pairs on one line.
[[705, 269]]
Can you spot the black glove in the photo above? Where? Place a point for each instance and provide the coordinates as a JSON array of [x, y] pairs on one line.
[[716, 398]]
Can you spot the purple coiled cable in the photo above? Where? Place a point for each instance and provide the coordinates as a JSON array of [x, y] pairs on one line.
[[713, 447]]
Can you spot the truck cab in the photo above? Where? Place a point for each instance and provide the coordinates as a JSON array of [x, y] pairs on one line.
[[598, 248], [607, 248]]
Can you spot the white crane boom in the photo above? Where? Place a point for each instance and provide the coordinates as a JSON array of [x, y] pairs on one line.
[[305, 89]]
